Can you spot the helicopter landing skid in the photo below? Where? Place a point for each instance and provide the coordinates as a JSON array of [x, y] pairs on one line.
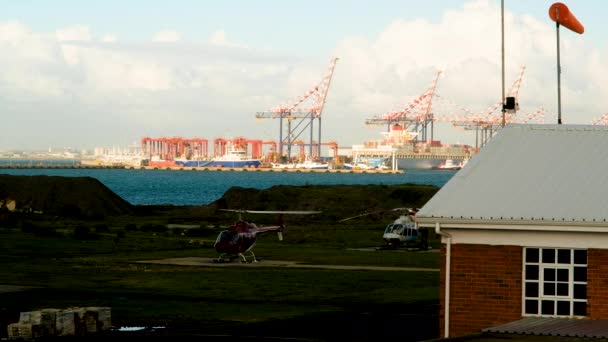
[[221, 259]]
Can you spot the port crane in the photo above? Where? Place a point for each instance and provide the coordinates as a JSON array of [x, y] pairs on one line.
[[485, 123], [300, 115], [422, 121], [168, 148], [602, 120]]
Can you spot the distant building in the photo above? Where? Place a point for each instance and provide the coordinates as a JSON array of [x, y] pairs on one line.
[[524, 230]]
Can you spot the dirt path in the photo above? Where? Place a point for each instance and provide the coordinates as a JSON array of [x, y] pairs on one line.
[[192, 261], [13, 288]]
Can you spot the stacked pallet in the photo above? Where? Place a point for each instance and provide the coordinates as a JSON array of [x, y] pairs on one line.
[[55, 322]]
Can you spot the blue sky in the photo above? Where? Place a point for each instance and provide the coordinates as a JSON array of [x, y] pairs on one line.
[[135, 68]]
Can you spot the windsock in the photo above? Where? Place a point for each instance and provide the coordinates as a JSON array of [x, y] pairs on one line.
[[560, 13]]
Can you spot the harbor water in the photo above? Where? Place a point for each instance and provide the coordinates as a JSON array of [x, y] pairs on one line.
[[188, 187]]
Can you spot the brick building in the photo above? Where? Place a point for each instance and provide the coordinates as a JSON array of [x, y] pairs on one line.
[[524, 230]]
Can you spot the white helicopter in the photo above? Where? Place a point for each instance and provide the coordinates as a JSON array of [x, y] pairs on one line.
[[403, 231]]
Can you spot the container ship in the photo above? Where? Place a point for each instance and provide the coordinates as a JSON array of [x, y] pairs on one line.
[[401, 147]]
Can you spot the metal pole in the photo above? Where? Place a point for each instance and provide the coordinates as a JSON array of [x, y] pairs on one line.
[[281, 135], [312, 122], [559, 71], [502, 32], [320, 137]]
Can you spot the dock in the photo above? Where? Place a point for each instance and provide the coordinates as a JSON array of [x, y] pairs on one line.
[[208, 169]]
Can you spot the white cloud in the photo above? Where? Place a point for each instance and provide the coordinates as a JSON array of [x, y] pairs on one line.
[[218, 38], [167, 36], [109, 38], [74, 33]]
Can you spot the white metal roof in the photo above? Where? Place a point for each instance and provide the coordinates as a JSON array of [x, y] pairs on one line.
[[545, 173]]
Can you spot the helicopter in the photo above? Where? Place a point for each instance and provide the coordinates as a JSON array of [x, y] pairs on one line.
[[403, 231], [240, 238]]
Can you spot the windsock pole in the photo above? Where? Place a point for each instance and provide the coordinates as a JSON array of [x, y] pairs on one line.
[[559, 73], [560, 13]]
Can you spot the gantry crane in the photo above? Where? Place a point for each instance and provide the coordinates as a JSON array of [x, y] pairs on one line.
[[486, 124], [300, 115], [406, 116]]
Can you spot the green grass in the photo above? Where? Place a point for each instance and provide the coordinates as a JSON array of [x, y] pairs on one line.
[[101, 271]]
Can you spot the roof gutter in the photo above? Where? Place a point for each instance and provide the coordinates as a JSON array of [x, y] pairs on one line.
[[524, 224], [448, 264]]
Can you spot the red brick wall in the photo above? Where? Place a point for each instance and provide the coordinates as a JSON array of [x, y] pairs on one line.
[[486, 288], [597, 283]]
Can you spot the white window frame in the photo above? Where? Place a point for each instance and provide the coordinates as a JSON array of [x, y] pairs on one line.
[[541, 282]]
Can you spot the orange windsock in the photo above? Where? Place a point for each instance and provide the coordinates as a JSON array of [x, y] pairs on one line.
[[562, 15]]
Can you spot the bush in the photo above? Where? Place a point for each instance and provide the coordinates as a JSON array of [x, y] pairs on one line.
[[29, 227], [130, 227], [197, 232], [101, 228], [155, 228], [84, 233]]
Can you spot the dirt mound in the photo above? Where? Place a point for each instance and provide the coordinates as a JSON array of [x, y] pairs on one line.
[[83, 197], [334, 200]]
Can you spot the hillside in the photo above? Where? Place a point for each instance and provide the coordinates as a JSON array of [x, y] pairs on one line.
[[81, 197], [87, 198]]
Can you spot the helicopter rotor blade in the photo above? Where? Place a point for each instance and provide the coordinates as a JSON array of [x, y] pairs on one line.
[[374, 212], [287, 212]]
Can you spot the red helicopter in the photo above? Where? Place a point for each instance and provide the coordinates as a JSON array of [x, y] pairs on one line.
[[240, 238]]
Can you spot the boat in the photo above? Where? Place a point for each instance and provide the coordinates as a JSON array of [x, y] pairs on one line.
[[283, 166], [449, 164], [235, 157], [367, 164], [405, 151], [312, 165]]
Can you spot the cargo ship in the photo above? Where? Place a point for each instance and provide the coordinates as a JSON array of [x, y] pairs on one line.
[[235, 157], [405, 152]]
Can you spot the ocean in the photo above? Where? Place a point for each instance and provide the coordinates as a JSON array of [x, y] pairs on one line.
[[187, 187]]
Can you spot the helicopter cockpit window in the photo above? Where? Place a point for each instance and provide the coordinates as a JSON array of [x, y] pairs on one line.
[[225, 237], [398, 229], [389, 228]]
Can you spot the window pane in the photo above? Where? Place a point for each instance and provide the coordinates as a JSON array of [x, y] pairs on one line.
[[532, 255], [562, 289], [580, 257], [531, 272], [563, 256], [547, 307], [563, 308], [549, 289], [562, 274], [531, 290], [532, 307], [549, 256], [579, 309], [580, 274], [580, 291], [549, 274]]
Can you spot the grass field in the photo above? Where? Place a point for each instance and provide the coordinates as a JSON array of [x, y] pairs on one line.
[[73, 263]]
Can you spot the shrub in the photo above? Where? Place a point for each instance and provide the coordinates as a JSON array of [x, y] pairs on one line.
[[101, 228], [130, 227], [84, 233], [196, 232], [29, 227], [155, 228]]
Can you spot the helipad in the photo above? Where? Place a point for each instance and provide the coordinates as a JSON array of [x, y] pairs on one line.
[[209, 262]]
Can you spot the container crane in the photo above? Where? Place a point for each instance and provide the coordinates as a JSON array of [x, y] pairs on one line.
[[405, 118], [301, 113], [485, 123]]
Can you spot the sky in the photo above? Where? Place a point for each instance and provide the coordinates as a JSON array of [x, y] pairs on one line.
[[86, 74]]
